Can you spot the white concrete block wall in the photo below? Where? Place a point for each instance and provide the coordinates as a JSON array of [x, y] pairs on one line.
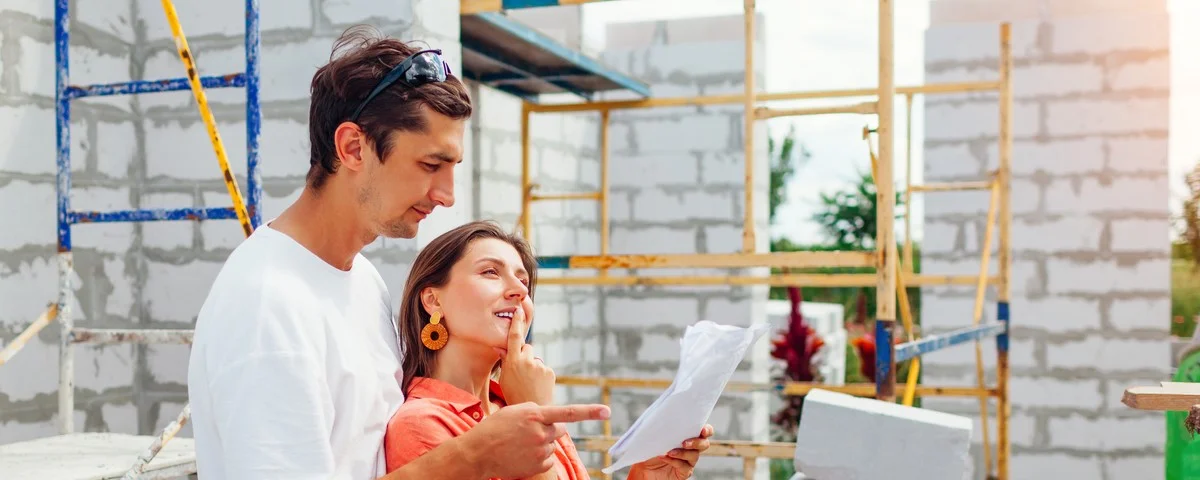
[[152, 151], [1091, 284]]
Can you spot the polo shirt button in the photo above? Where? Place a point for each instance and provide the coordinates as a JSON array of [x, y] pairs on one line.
[[475, 415]]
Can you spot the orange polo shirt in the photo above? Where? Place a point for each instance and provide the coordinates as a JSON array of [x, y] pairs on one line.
[[435, 411]]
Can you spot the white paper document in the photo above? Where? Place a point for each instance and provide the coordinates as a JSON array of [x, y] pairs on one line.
[[710, 354]]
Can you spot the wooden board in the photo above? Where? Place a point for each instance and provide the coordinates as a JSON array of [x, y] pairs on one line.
[[93, 456], [717, 448], [1168, 396]]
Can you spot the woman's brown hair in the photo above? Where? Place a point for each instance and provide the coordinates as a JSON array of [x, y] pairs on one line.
[[432, 269]]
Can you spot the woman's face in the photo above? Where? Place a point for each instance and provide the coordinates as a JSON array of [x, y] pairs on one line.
[[484, 289]]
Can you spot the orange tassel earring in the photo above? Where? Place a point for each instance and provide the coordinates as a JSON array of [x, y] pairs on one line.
[[434, 336]]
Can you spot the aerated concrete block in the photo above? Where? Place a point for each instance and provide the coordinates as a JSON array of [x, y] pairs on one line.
[[850, 438]]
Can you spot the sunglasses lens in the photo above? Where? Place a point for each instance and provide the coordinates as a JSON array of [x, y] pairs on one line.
[[425, 68]]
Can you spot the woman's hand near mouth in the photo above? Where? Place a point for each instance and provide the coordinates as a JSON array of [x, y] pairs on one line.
[[523, 376]]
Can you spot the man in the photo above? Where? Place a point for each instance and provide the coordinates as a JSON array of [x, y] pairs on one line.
[[295, 363]]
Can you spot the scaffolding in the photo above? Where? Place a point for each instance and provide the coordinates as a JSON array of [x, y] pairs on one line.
[[88, 455], [893, 273]]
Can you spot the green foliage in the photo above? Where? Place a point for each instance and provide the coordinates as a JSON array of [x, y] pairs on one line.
[[1185, 262], [1185, 296], [1191, 216], [848, 217], [1181, 251], [782, 468]]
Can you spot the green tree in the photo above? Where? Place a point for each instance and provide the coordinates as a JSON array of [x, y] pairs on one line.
[[1185, 261], [848, 217], [1191, 215]]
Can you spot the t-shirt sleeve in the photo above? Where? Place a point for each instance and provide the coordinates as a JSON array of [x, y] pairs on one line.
[[417, 428], [273, 406]]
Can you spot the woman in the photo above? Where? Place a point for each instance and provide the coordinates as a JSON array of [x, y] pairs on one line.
[[462, 318]]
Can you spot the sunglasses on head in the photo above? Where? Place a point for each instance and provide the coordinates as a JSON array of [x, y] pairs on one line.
[[425, 66]]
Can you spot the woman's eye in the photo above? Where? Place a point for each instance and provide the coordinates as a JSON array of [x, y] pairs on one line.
[[490, 271]]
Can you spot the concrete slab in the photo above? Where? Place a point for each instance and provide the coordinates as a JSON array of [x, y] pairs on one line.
[[852, 438], [94, 456]]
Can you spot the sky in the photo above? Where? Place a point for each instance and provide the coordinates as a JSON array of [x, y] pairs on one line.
[[819, 44]]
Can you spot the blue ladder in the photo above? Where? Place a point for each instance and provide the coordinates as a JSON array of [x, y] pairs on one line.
[[248, 213]]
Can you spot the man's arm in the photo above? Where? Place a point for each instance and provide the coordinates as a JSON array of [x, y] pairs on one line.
[[452, 460]]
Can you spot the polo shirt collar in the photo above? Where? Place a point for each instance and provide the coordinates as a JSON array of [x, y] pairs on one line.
[[459, 399]]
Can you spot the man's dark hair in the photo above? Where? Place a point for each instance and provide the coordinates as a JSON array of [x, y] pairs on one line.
[[340, 86]]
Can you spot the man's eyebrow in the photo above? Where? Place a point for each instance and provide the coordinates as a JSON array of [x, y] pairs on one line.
[[445, 157]]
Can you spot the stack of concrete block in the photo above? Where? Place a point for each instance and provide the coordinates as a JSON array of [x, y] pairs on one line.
[[1091, 259]]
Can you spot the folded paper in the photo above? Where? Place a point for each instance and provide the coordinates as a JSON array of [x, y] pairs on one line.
[[710, 353]]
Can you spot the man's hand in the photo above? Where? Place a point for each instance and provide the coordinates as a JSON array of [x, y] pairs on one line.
[[523, 376], [518, 440], [677, 464]]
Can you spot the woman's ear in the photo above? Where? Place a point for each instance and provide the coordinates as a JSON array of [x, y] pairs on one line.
[[429, 300]]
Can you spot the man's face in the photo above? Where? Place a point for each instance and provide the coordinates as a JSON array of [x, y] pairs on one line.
[[416, 177]]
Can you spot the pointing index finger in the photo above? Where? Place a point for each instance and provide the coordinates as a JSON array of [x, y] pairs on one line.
[[573, 413]]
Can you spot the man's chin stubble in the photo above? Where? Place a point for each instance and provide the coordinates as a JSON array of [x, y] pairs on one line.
[[402, 231]]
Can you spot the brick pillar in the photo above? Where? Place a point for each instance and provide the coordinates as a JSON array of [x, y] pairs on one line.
[[1091, 258]]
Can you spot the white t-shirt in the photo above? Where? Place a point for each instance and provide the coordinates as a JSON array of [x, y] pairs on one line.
[[295, 366]]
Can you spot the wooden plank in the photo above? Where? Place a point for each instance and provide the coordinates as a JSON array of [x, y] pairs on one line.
[[659, 102], [717, 448], [787, 388], [864, 108], [18, 343], [812, 280], [1169, 396], [952, 186], [712, 260]]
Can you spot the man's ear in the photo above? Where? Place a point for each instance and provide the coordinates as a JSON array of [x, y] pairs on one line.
[[350, 144], [429, 300]]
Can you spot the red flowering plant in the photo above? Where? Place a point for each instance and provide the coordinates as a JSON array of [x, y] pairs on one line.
[[864, 344], [796, 346]]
